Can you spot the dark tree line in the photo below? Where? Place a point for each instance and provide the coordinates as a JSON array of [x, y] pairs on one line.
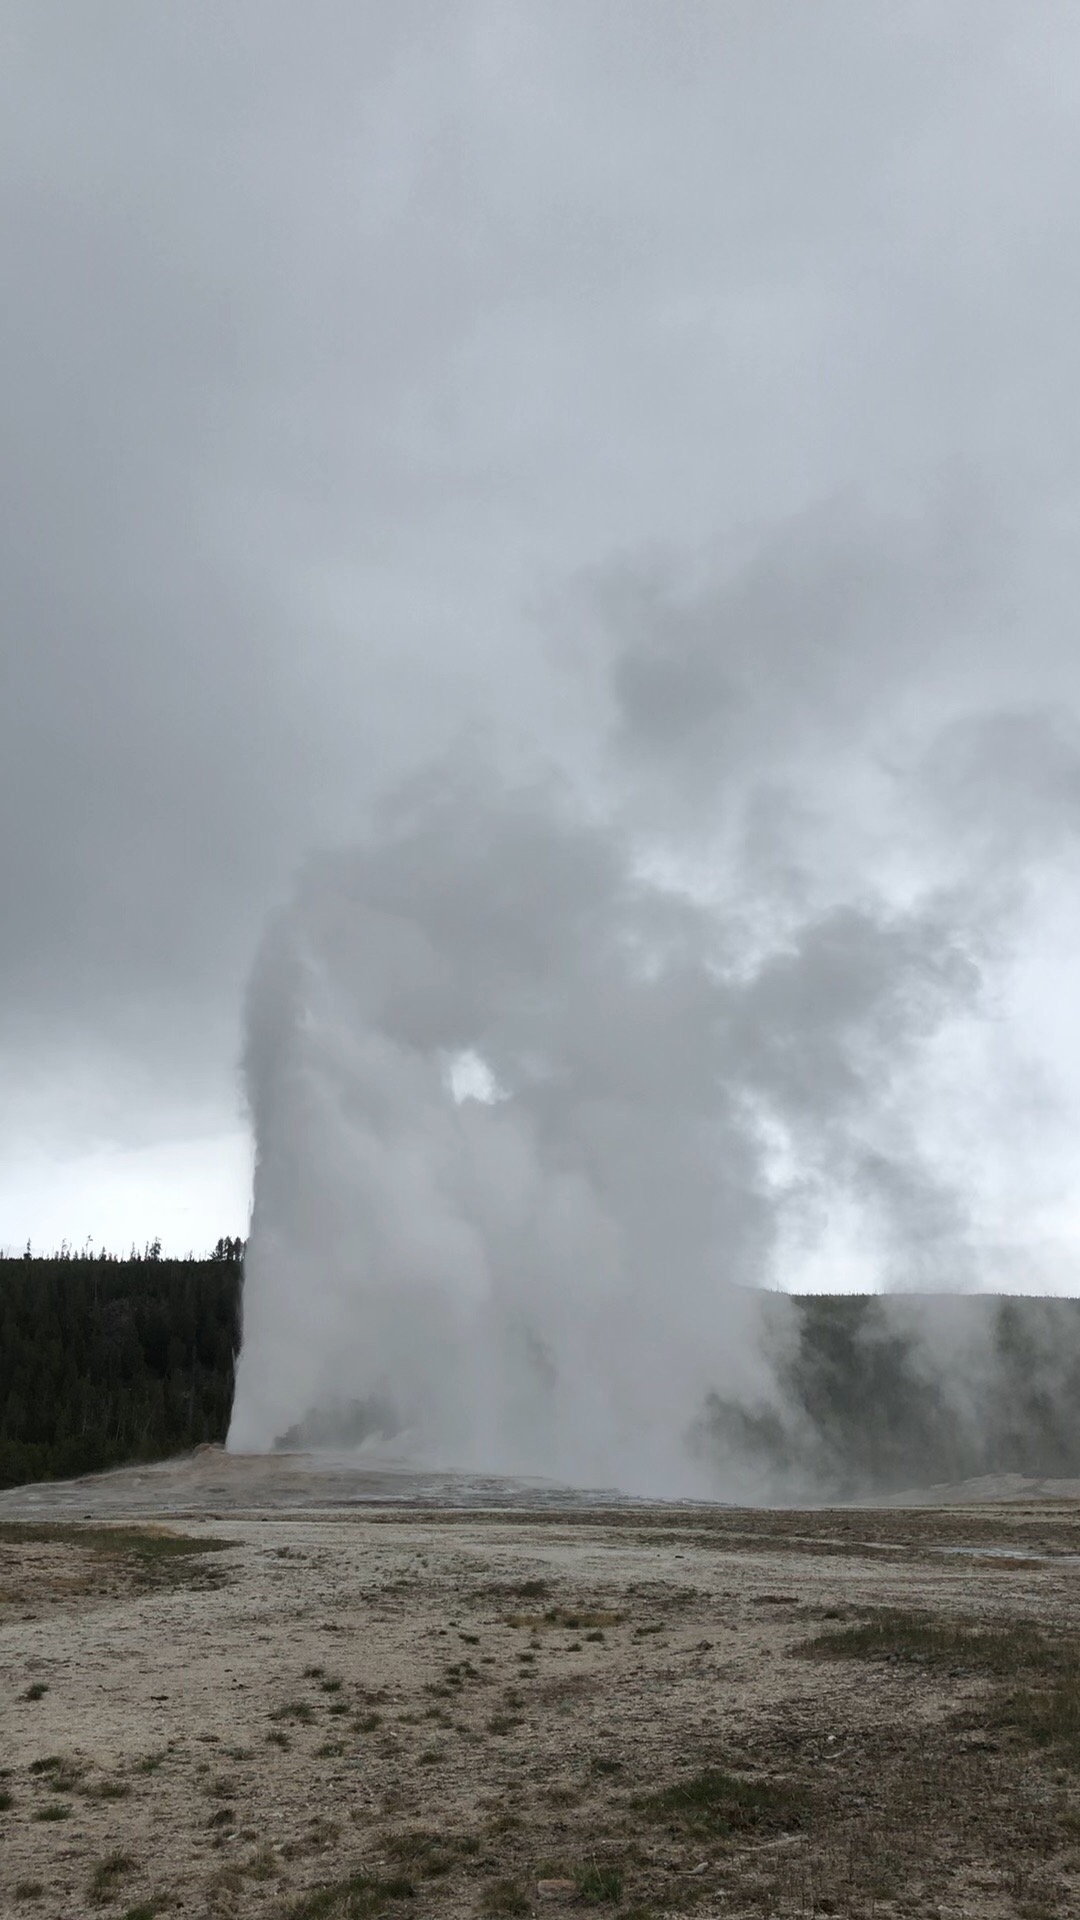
[[871, 1399], [106, 1360]]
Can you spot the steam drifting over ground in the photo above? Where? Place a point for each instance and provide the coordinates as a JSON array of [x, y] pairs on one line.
[[554, 1069]]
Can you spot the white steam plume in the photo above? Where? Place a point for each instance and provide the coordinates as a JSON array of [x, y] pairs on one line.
[[543, 1091]]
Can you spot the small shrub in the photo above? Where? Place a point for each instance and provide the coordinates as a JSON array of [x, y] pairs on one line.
[[431, 1855], [719, 1804], [598, 1884], [107, 1873], [504, 1897], [359, 1897], [61, 1774], [37, 1691]]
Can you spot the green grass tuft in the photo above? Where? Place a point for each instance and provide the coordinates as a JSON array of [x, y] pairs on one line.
[[721, 1805], [358, 1897], [106, 1875], [599, 1884]]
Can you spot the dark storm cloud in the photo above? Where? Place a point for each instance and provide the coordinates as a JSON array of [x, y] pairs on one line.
[[333, 336]]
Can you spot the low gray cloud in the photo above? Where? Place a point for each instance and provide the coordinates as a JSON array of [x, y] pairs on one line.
[[335, 342]]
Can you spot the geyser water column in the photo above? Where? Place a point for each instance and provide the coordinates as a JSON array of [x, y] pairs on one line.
[[551, 1278]]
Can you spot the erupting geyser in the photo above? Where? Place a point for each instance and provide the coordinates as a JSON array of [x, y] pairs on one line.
[[516, 1107], [549, 1076]]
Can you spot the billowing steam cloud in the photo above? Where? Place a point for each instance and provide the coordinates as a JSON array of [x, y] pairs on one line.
[[551, 1072]]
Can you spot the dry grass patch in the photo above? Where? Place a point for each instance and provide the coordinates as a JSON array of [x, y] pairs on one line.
[[151, 1545], [107, 1875], [428, 1854], [598, 1884], [574, 1619], [505, 1897], [359, 1896], [716, 1805], [919, 1639], [1037, 1696]]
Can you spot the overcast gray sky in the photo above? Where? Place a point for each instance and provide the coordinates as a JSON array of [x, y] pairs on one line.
[[370, 372]]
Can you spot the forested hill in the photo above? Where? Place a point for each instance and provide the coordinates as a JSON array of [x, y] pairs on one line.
[[104, 1360]]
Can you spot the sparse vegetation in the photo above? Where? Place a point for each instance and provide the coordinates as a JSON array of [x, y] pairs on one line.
[[107, 1874], [717, 1805], [598, 1884], [918, 1639], [1038, 1695], [107, 1790], [142, 1557], [572, 1619], [837, 1790], [505, 1897], [300, 1710], [357, 1897], [429, 1855]]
